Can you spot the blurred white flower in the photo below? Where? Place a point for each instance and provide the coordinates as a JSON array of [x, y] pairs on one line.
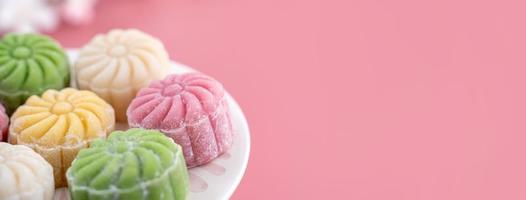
[[27, 16], [43, 15]]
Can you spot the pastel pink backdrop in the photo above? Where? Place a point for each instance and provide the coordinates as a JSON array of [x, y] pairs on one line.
[[348, 99]]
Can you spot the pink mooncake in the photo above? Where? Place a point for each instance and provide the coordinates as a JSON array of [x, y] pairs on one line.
[[190, 108], [4, 124]]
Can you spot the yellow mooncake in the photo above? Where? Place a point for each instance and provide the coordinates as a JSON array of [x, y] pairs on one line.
[[60, 123]]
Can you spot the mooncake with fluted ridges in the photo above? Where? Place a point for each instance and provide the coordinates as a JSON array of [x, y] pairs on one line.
[[116, 65], [4, 124], [190, 108], [132, 165], [29, 65], [24, 174], [59, 124]]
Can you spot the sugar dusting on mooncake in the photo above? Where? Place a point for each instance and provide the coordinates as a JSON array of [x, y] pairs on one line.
[[190, 108]]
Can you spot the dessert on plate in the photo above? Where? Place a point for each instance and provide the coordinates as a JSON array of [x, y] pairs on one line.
[[29, 65], [190, 108], [60, 123], [62, 137], [116, 65], [24, 174], [130, 165]]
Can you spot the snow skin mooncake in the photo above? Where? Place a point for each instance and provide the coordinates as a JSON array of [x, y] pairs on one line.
[[59, 124], [190, 108], [4, 124], [24, 174], [116, 65], [29, 65], [131, 165]]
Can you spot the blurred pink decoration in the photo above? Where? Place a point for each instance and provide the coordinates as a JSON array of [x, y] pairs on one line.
[[77, 12], [4, 123], [43, 15]]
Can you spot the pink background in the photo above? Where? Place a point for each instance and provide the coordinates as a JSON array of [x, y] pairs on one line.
[[370, 99]]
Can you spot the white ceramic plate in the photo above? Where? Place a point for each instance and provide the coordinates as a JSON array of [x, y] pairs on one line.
[[219, 178]]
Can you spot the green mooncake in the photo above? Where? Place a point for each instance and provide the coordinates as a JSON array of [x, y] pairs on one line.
[[29, 65], [135, 164]]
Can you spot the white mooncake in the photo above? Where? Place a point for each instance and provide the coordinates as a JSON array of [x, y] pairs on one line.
[[116, 65], [24, 174]]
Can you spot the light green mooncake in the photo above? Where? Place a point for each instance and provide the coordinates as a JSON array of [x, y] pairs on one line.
[[29, 65], [136, 164]]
